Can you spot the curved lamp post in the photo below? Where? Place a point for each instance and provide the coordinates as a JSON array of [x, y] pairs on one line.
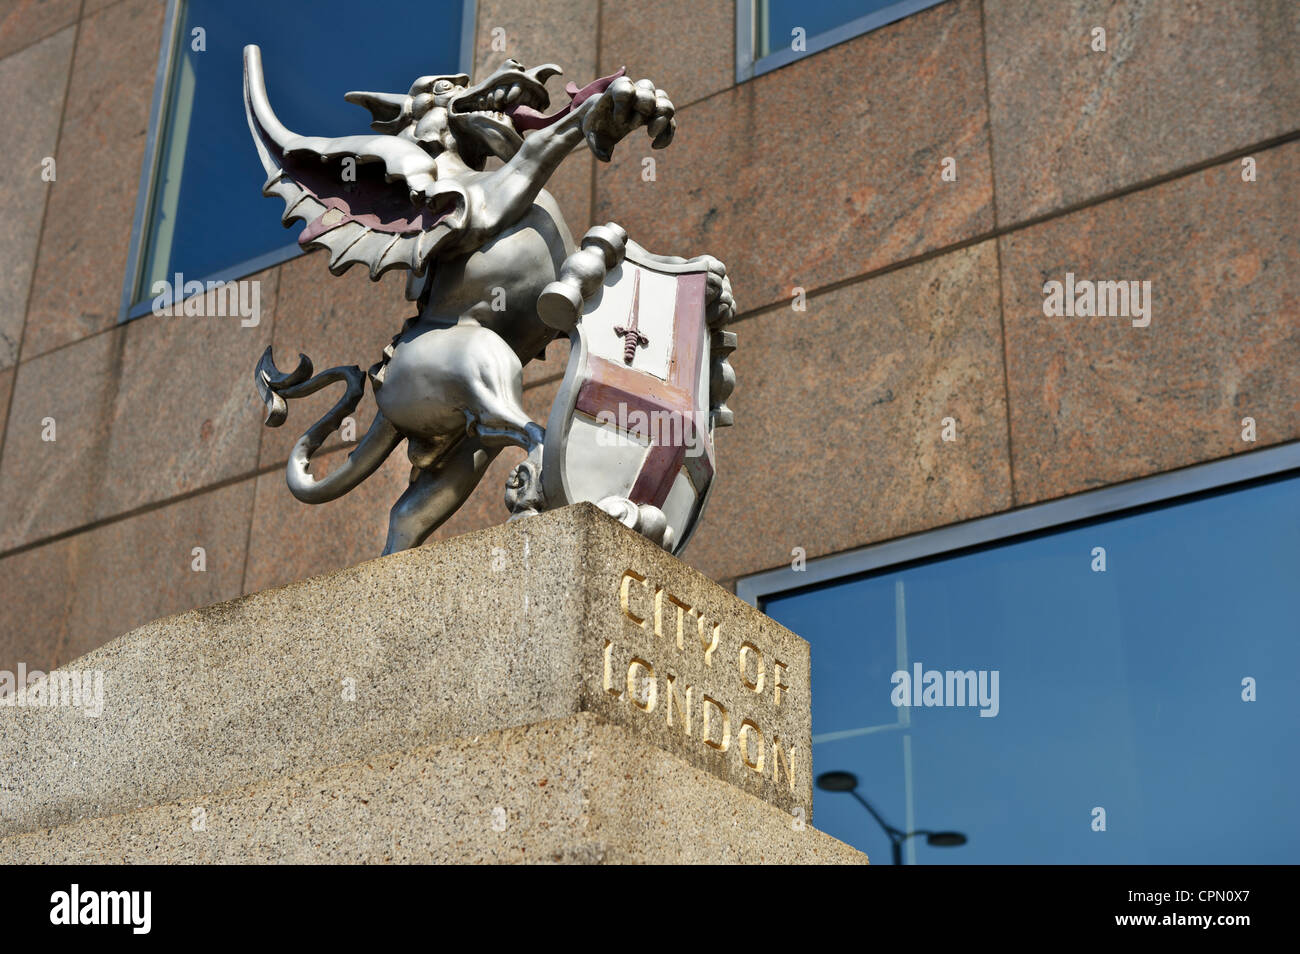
[[848, 782]]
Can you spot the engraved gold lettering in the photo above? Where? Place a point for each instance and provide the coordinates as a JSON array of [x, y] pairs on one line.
[[609, 675], [719, 744], [675, 700], [756, 685], [778, 757], [682, 609], [778, 670], [709, 639], [639, 683], [746, 727], [623, 588], [652, 687]]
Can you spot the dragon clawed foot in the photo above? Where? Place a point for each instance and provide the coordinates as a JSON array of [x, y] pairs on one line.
[[524, 494], [622, 108], [646, 520]]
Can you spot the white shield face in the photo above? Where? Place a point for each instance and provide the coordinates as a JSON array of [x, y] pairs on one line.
[[632, 415]]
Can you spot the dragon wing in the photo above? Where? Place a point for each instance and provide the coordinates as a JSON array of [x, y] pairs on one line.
[[364, 213]]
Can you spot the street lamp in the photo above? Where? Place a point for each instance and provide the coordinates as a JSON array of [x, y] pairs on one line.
[[848, 782]]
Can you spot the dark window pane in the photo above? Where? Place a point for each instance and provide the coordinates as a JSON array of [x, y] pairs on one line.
[[208, 213], [1119, 689], [777, 19]]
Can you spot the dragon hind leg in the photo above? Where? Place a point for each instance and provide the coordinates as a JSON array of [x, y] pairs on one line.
[[436, 492], [495, 413]]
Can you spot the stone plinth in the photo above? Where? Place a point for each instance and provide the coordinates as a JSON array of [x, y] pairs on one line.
[[556, 689], [577, 790]]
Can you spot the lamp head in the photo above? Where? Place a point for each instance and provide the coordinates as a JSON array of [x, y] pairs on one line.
[[837, 781], [945, 839]]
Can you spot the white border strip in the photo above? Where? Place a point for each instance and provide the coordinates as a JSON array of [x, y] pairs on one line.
[[1105, 501], [747, 67]]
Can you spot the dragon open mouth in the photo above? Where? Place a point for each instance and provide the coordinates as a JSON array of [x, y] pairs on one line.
[[520, 98], [503, 99]]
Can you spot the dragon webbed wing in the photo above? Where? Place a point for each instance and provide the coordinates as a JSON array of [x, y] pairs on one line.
[[355, 192]]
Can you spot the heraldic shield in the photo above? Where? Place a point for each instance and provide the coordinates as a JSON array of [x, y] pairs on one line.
[[631, 428]]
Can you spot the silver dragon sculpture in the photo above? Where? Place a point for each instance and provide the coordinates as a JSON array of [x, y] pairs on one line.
[[480, 246]]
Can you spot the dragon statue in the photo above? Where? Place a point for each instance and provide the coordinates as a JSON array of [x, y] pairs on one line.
[[481, 246]]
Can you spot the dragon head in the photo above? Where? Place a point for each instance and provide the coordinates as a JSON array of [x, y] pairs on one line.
[[474, 120]]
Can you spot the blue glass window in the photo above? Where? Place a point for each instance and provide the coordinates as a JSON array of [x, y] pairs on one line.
[[206, 216], [1121, 689], [817, 24]]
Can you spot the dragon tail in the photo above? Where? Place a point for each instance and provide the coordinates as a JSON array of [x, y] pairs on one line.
[[372, 450]]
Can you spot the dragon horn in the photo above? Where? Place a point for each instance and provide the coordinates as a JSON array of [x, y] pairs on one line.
[[544, 72], [390, 111]]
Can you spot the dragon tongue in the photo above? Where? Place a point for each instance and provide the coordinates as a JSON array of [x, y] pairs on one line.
[[526, 118]]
